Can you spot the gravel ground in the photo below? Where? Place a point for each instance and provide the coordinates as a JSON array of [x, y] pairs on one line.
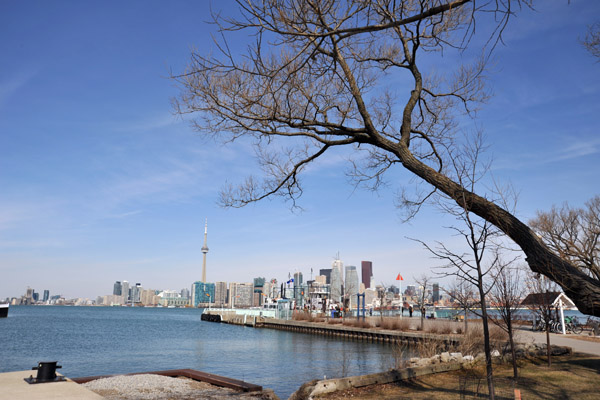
[[158, 387]]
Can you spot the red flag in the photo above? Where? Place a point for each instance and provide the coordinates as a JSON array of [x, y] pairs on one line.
[[399, 278]]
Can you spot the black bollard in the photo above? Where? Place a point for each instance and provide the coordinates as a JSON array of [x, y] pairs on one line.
[[46, 372]]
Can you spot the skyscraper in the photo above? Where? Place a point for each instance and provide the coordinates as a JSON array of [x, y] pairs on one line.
[[367, 273], [203, 293], [337, 279], [436, 292], [221, 294], [125, 291], [351, 286], [46, 295], [117, 288], [327, 274], [204, 251], [298, 280]]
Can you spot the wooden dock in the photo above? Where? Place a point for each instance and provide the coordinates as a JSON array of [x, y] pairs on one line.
[[213, 379]]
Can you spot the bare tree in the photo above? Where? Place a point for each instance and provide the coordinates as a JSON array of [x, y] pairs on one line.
[[543, 291], [474, 267], [317, 77], [462, 293], [592, 40], [573, 234], [506, 296], [423, 282]]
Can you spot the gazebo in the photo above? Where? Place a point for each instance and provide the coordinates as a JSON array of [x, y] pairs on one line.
[[556, 300]]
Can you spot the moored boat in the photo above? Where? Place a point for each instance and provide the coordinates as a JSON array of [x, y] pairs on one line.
[[3, 310]]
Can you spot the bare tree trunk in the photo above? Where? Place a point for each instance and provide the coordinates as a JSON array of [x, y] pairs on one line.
[[486, 344], [579, 287], [512, 349], [548, 352]]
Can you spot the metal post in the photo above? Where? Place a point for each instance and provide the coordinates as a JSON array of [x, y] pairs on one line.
[[562, 316]]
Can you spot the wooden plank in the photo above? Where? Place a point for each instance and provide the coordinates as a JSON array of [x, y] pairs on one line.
[[213, 379]]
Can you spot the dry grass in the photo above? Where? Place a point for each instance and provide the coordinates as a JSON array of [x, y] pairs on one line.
[[394, 324], [306, 316], [357, 323], [571, 377]]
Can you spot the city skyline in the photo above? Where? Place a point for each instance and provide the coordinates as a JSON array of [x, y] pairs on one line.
[[100, 179]]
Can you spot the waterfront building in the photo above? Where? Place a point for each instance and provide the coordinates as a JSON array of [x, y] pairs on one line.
[[46, 295], [351, 286], [125, 290], [185, 293], [28, 297], [366, 273], [117, 288], [221, 294], [136, 292], [241, 294], [110, 300], [326, 272], [148, 297], [203, 293]]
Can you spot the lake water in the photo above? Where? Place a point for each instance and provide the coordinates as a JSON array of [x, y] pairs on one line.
[[112, 340]]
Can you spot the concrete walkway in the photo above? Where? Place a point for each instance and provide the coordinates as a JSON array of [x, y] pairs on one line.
[[13, 387], [580, 346]]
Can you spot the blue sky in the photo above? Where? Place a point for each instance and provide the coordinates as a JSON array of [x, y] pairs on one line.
[[100, 182]]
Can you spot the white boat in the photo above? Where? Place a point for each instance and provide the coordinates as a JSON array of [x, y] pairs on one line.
[[4, 310]]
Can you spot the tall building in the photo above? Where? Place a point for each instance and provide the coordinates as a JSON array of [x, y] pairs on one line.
[[203, 293], [125, 290], [327, 274], [298, 279], [204, 251], [221, 294], [46, 295], [436, 292], [29, 296], [241, 294], [337, 279], [185, 293], [117, 288], [136, 292], [367, 273], [351, 285]]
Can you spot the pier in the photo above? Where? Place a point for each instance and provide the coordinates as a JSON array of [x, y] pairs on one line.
[[253, 319]]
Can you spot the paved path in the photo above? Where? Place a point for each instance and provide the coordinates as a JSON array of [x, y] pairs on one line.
[[580, 346]]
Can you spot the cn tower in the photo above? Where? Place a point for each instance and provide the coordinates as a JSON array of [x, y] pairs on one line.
[[204, 251]]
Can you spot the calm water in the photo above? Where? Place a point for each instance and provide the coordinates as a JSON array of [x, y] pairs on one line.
[[108, 340]]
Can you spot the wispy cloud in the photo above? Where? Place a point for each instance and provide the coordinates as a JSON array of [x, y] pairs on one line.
[[9, 87], [576, 149], [149, 123]]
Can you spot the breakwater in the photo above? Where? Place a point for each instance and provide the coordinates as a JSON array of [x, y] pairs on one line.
[[330, 329]]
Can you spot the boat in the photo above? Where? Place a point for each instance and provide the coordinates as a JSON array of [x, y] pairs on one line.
[[4, 310]]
